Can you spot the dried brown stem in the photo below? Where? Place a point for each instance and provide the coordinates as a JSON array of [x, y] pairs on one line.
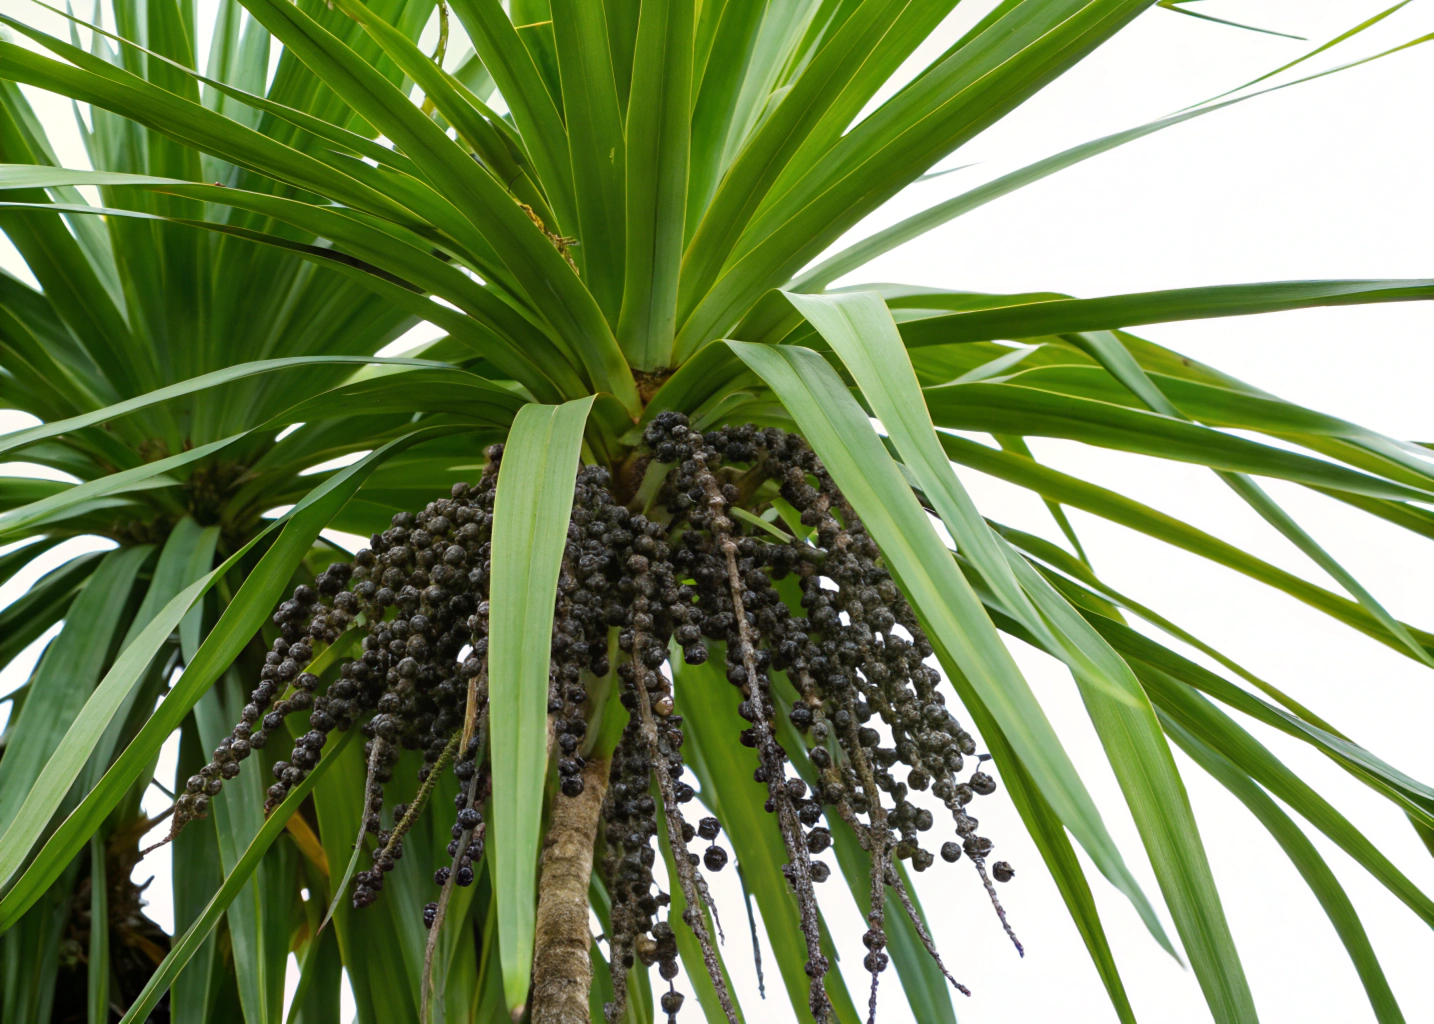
[[896, 883], [711, 906], [791, 827], [686, 875], [174, 827], [476, 695], [980, 863], [341, 889], [562, 969]]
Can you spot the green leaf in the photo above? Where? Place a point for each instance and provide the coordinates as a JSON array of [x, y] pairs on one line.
[[197, 877], [831, 90], [352, 141], [1367, 23], [863, 252], [97, 994], [1306, 859], [1106, 349], [1019, 52], [95, 81], [534, 112], [56, 507], [717, 85], [658, 137], [1013, 408], [1148, 777], [534, 259], [259, 918], [1117, 508], [1411, 795], [1069, 316], [44, 604], [599, 148], [238, 371], [530, 530], [859, 328], [1214, 727], [67, 674], [189, 943]]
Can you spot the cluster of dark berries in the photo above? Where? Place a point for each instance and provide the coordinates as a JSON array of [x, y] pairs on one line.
[[418, 600], [856, 654], [799, 596]]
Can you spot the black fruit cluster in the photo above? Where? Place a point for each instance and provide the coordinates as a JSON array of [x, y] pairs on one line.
[[809, 623]]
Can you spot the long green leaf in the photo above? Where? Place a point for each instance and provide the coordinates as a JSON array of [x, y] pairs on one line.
[[530, 530], [18, 521], [1130, 733], [599, 149], [658, 139], [352, 141], [863, 252], [1306, 859], [1412, 795], [531, 256], [98, 989], [1014, 408], [866, 48], [1107, 349], [67, 674], [1219, 730], [30, 435], [95, 81], [197, 877], [1068, 316], [1077, 493], [1031, 43], [534, 111]]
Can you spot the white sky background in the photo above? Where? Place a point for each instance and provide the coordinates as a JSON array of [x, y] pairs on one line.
[[1326, 180]]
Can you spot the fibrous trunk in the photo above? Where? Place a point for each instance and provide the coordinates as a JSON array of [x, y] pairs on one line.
[[562, 968]]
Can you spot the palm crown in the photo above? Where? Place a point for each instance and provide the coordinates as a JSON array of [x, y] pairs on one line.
[[619, 215]]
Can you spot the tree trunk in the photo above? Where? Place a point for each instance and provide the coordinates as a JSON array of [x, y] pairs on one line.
[[562, 970]]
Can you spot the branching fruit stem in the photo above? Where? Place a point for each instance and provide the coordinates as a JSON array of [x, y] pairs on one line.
[[686, 876]]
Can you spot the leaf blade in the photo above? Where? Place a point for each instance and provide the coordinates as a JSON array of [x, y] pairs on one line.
[[530, 517]]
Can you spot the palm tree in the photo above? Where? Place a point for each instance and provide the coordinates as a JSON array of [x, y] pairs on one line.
[[640, 568]]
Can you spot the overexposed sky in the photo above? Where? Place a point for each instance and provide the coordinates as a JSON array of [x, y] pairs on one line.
[[1325, 180]]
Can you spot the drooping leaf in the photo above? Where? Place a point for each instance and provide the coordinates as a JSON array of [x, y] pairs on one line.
[[530, 516], [1311, 866]]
